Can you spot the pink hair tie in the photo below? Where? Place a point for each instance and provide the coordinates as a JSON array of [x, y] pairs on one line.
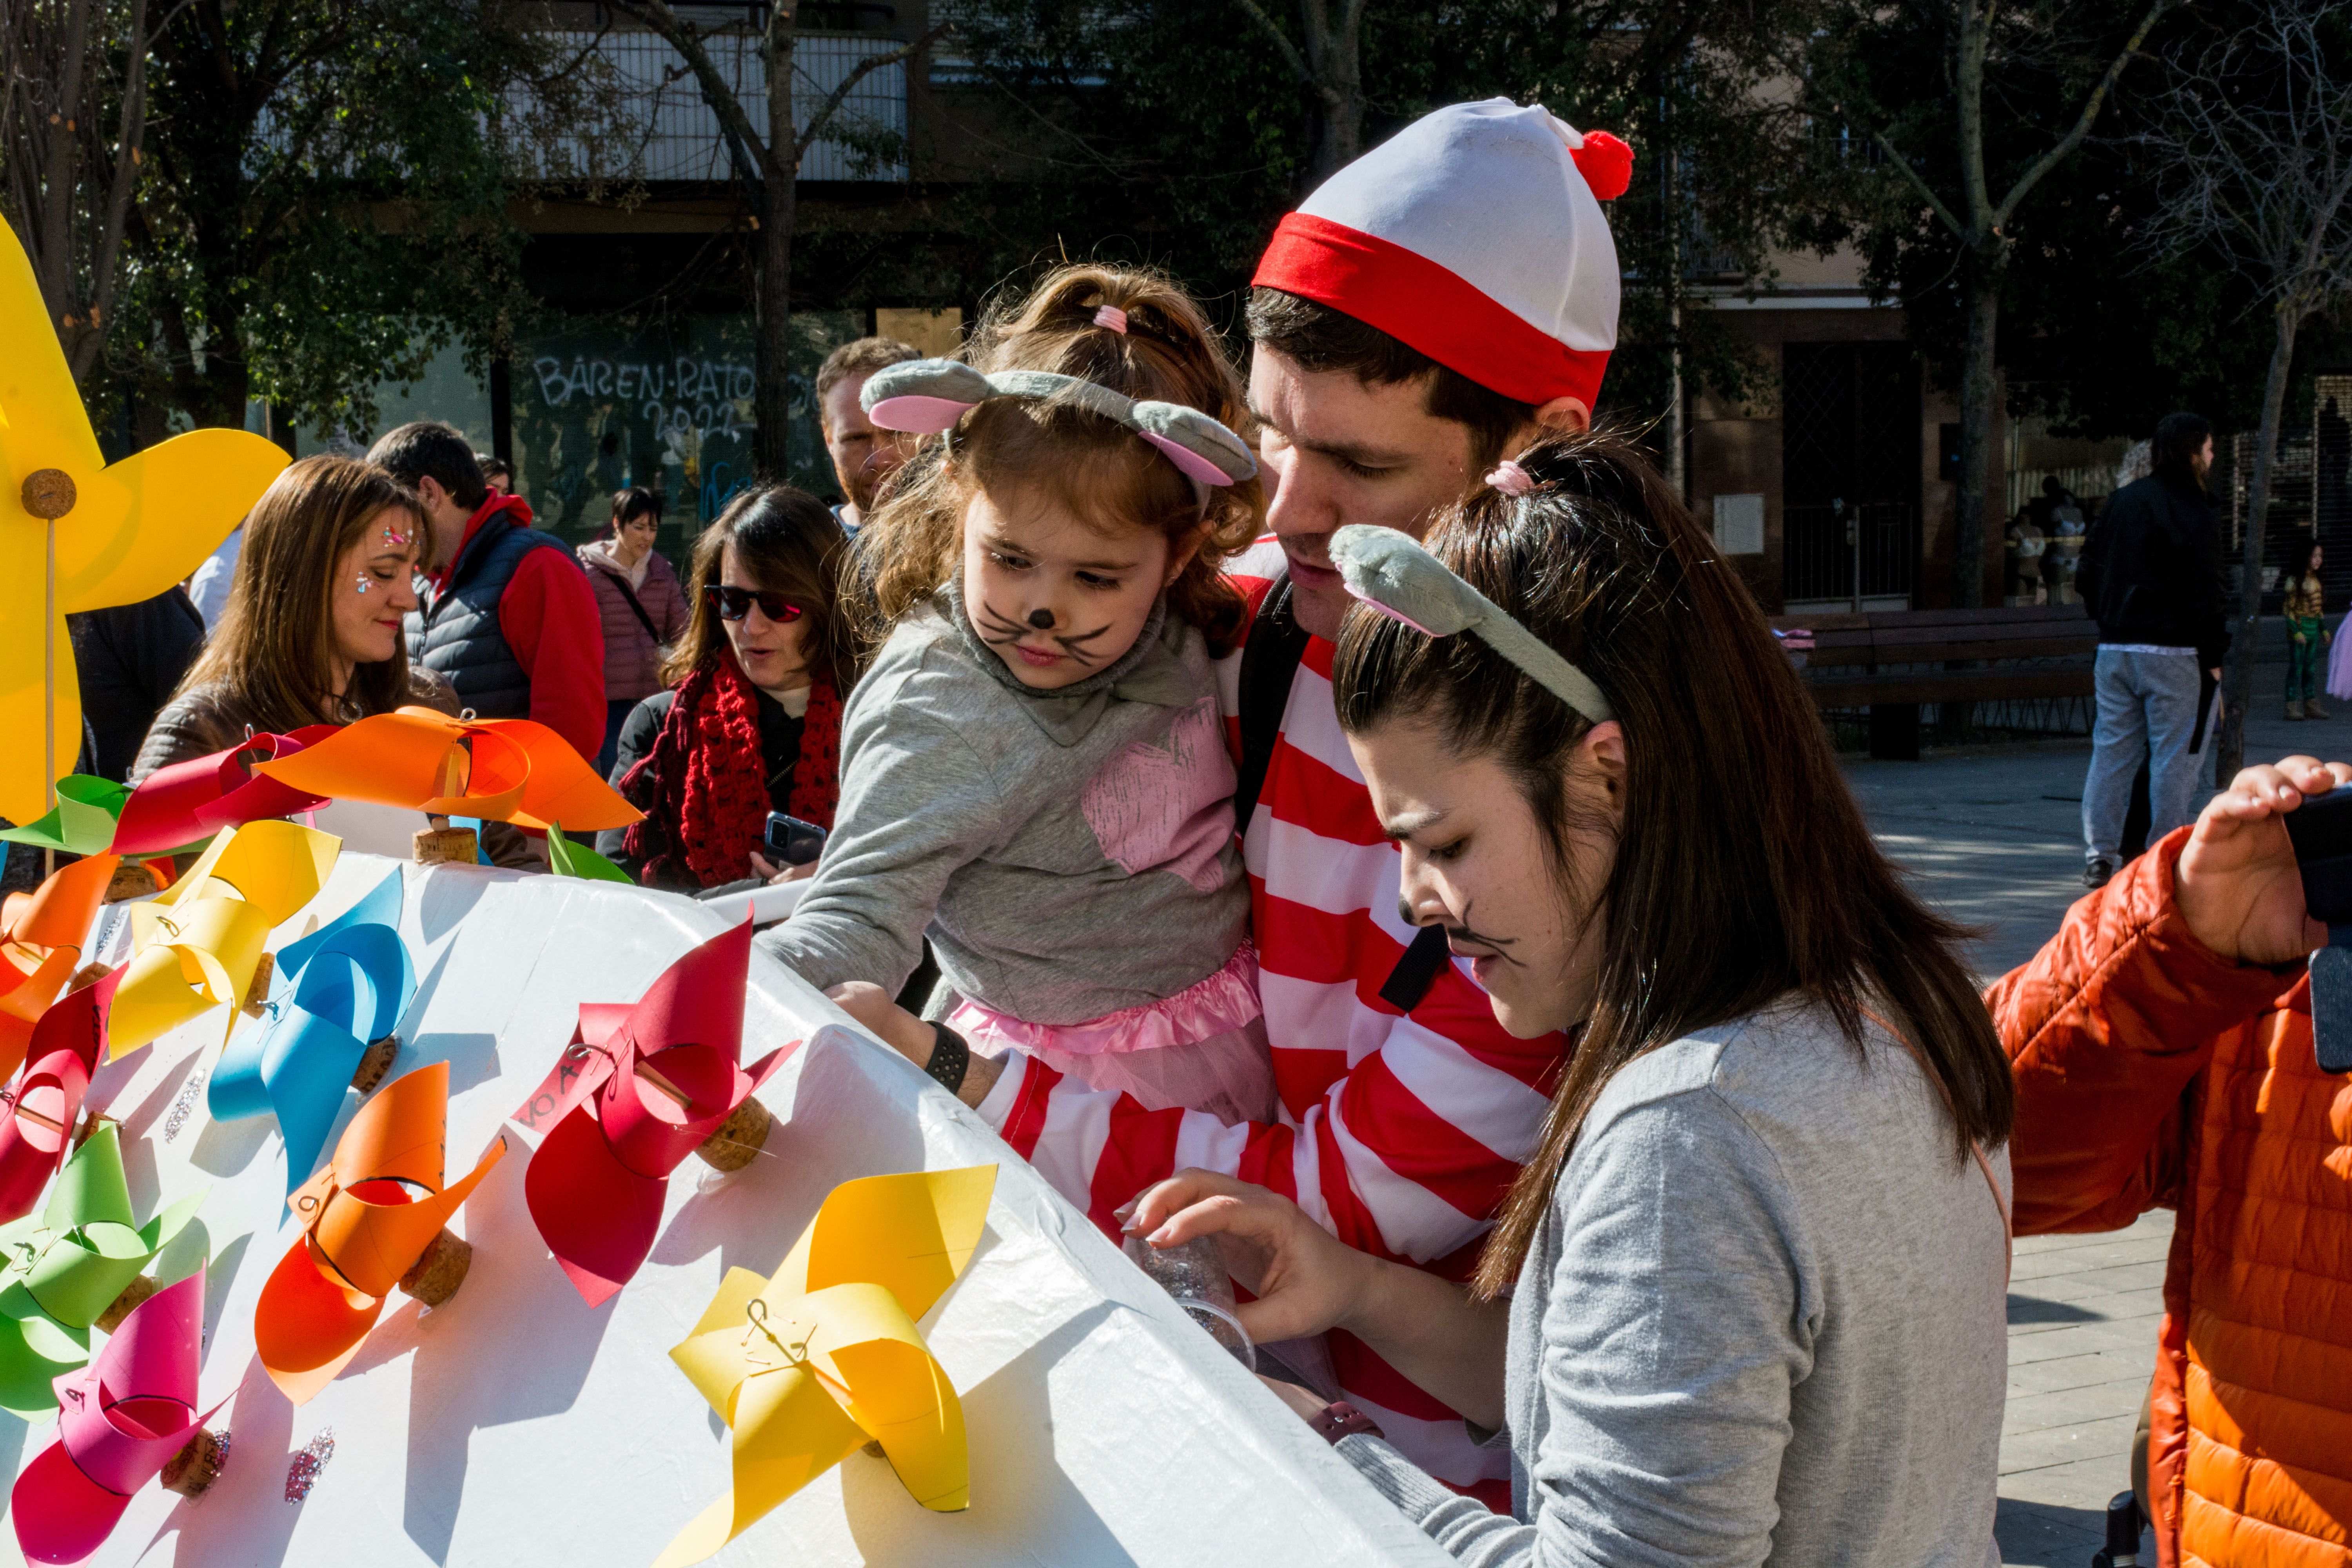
[[1510, 478], [1111, 316]]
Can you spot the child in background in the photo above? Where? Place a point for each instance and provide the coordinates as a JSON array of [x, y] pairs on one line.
[[2306, 632], [1033, 770]]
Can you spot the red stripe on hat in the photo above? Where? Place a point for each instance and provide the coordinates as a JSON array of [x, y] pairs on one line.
[[1426, 307]]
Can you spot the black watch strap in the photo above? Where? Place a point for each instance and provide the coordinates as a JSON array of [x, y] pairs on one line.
[[950, 1059]]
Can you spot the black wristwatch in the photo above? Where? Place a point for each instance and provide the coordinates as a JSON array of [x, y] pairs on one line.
[[950, 1059]]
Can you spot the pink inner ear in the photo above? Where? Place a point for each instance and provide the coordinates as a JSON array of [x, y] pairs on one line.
[[1195, 466], [1392, 614], [923, 415]]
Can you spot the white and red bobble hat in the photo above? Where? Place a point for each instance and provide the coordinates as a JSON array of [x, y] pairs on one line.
[[1473, 235]]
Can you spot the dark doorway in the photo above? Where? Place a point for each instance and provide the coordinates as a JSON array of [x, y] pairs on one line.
[[1850, 474]]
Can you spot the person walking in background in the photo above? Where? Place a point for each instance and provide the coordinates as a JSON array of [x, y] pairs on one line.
[[129, 658], [2304, 609], [495, 474], [752, 722], [642, 608], [508, 614], [863, 457], [2151, 576]]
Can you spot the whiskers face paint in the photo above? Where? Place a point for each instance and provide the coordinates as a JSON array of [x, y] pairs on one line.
[[1000, 630]]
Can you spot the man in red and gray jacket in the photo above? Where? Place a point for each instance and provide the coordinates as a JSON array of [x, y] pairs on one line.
[[506, 613]]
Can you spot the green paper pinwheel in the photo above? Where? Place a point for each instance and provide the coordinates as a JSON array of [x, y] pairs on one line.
[[566, 858], [60, 1270], [83, 820]]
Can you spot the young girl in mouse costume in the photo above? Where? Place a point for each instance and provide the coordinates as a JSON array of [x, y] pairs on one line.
[[1033, 770]]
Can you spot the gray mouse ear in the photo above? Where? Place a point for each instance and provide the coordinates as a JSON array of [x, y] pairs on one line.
[[1396, 576], [1197, 444], [923, 395]]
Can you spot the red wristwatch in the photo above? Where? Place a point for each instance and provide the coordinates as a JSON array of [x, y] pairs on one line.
[[1340, 1419]]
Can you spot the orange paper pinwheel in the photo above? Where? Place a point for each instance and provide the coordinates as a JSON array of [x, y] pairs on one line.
[[499, 770], [368, 1218], [41, 933], [77, 533]]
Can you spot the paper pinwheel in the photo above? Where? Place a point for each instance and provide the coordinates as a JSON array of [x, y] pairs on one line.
[[41, 933], [187, 803], [122, 1421], [637, 1090], [197, 944], [61, 1270], [566, 858], [497, 770], [370, 1219], [36, 1122], [335, 991], [81, 823], [78, 534], [809, 1366]]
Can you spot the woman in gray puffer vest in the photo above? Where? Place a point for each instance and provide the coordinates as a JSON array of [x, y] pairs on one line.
[[640, 604]]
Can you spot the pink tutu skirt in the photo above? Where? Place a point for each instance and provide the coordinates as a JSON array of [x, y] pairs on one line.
[[1201, 1049]]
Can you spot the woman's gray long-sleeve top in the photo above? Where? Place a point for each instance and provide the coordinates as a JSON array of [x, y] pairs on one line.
[[1763, 1321]]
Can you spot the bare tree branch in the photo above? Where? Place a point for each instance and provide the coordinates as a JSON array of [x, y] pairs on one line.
[[745, 143], [1289, 52], [822, 118], [2082, 128]]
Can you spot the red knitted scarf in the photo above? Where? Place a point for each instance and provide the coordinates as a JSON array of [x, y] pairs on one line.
[[704, 788]]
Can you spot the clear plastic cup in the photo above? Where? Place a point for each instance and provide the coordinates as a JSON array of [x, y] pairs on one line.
[[1193, 1272]]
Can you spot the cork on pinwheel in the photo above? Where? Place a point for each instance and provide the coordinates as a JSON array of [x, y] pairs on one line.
[[375, 1219], [811, 1364], [638, 1090]]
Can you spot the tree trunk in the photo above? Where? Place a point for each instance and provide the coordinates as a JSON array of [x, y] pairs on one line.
[[2239, 691], [1980, 384], [773, 388]]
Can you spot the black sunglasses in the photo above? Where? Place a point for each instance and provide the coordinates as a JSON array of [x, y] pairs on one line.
[[734, 604]]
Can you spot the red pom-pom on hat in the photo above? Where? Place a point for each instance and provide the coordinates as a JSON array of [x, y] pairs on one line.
[[1606, 164]]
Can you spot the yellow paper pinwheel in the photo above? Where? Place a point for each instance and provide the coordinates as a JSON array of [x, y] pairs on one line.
[[809, 1366], [197, 944], [79, 534]]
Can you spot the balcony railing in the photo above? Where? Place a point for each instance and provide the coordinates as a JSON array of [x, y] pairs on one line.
[[679, 139]]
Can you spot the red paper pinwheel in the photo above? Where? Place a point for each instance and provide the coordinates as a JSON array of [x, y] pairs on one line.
[[37, 1112], [638, 1090], [188, 801]]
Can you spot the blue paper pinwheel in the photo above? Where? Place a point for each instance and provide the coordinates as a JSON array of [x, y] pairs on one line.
[[343, 987]]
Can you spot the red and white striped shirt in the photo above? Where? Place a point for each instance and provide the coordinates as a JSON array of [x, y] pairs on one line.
[[1398, 1131]]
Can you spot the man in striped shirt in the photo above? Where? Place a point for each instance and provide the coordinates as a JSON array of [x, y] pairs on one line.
[[1426, 313]]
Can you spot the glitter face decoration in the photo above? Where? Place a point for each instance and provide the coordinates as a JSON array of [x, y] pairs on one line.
[[395, 540], [362, 586]]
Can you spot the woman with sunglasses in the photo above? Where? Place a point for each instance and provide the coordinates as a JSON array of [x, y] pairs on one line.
[[750, 721]]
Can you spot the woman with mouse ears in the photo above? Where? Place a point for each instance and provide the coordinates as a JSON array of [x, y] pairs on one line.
[[1745, 1303], [1033, 770]]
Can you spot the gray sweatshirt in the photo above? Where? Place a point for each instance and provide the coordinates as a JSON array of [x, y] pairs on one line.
[[1762, 1322], [1071, 853]]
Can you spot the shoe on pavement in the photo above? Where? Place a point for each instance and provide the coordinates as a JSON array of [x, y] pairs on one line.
[[2095, 873], [2294, 710], [2312, 709]]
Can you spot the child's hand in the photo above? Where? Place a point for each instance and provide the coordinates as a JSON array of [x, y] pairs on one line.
[[763, 866], [2300, 637], [911, 1036]]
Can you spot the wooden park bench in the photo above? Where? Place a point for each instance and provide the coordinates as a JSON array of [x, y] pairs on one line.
[[1890, 662]]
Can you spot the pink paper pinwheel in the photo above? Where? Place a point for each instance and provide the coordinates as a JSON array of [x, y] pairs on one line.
[[38, 1112], [125, 1418], [187, 803], [638, 1090]]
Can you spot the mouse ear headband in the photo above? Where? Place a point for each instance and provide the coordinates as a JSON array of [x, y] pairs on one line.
[[929, 395], [1405, 583]]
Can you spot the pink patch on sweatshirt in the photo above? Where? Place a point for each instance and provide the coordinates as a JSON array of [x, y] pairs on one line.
[[1166, 805]]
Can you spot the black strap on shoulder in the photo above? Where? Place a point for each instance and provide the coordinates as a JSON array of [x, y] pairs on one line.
[[1417, 970], [1269, 659], [644, 619]]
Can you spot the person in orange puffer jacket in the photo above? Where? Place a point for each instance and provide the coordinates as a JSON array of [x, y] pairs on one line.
[[2162, 1048]]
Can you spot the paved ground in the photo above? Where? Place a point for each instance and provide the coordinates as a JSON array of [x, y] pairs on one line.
[[1995, 836]]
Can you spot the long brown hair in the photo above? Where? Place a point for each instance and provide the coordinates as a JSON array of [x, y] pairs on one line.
[[1095, 468], [271, 657], [1743, 870], [791, 544]]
